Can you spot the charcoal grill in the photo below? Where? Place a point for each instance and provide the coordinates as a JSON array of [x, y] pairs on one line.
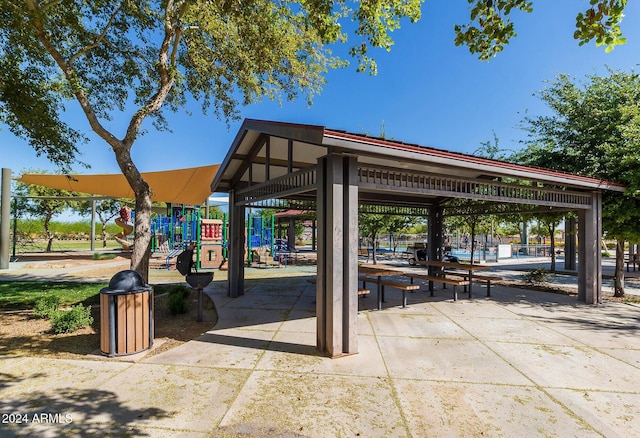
[[197, 280]]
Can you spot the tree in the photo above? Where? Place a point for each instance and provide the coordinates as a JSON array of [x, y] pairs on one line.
[[507, 226], [398, 225], [45, 203], [468, 221], [594, 131], [491, 28], [110, 56], [551, 221], [371, 226], [491, 150], [106, 210]]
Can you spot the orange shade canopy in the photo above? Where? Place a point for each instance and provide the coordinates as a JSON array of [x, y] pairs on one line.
[[181, 186]]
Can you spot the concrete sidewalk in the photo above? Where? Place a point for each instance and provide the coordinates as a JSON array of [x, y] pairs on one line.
[[519, 363]]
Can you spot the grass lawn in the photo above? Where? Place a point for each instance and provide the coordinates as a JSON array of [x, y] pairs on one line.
[[39, 245], [81, 245], [22, 295]]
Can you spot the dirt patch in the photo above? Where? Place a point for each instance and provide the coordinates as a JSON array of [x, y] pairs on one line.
[[541, 287], [76, 257], [21, 334], [66, 263]]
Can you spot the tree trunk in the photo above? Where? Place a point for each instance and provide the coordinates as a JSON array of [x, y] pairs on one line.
[[104, 234], [142, 227], [373, 245], [473, 241], [142, 241], [618, 283], [47, 232]]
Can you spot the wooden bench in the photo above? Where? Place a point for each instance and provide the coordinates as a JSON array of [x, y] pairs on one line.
[[361, 291], [486, 278], [455, 282], [404, 287], [364, 279]]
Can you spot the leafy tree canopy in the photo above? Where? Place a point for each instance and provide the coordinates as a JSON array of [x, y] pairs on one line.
[[491, 28], [593, 131], [109, 54]]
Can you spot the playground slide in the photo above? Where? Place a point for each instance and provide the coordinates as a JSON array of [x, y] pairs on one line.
[[121, 237]]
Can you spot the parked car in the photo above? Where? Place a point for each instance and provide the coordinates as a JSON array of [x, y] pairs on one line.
[[420, 255]]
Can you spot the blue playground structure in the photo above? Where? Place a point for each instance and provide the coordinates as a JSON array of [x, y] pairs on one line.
[[261, 235], [171, 233], [183, 224]]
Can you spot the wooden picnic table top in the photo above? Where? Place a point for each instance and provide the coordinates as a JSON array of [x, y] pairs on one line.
[[377, 270], [453, 265]]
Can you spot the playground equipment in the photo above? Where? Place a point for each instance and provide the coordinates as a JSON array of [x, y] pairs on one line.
[[211, 250], [263, 247], [123, 222], [260, 242], [184, 225]]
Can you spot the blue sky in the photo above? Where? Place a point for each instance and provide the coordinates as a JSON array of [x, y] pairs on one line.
[[427, 91]]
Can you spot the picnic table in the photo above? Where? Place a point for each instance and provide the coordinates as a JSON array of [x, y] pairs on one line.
[[378, 271], [447, 267]]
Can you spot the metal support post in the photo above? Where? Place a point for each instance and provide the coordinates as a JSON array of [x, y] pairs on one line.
[[5, 218]]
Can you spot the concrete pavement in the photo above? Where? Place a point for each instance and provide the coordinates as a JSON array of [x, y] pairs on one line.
[[520, 363]]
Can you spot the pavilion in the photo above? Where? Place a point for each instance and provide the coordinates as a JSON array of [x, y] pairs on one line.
[[339, 174]]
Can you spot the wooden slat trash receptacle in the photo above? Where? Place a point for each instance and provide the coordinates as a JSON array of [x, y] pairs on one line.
[[126, 315]]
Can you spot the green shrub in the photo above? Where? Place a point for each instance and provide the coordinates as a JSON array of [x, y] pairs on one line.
[[178, 295], [180, 289], [46, 306], [67, 321], [539, 275]]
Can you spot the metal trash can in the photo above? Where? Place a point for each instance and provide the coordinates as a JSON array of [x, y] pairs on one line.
[[126, 315]]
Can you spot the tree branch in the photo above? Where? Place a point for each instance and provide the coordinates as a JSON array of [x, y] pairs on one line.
[[50, 4], [70, 75], [166, 61], [99, 39]]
